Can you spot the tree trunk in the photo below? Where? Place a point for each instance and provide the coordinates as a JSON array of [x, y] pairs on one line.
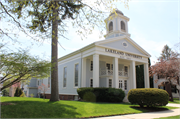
[[168, 89], [54, 53]]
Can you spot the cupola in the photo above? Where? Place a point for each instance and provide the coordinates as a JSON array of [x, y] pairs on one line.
[[117, 25]]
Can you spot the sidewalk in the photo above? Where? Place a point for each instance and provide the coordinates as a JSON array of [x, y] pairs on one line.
[[149, 115]]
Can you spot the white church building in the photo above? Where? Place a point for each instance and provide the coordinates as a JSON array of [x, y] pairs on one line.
[[108, 63]]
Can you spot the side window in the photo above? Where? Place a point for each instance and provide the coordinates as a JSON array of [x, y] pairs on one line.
[[110, 26], [65, 77], [48, 82], [76, 74], [91, 66], [123, 26]]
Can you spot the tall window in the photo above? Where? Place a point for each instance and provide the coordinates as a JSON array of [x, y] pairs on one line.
[[110, 83], [65, 77], [48, 82], [125, 71], [125, 68], [91, 66], [120, 84], [125, 84], [110, 26], [76, 74], [123, 26], [109, 66], [38, 82], [91, 83]]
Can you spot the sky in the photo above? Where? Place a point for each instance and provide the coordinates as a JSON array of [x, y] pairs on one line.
[[152, 24]]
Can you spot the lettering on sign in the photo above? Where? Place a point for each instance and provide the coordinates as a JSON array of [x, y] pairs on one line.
[[122, 54]]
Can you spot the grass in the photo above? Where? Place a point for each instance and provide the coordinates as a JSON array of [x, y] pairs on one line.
[[171, 117], [176, 100], [19, 107]]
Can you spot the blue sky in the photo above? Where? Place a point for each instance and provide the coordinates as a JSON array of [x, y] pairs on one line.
[[153, 24]]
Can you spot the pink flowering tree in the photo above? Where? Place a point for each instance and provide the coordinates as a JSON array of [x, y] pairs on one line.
[[170, 71], [43, 88]]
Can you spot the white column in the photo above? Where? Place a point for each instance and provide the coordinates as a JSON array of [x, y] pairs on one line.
[[146, 75], [132, 75], [115, 72], [96, 70], [83, 80]]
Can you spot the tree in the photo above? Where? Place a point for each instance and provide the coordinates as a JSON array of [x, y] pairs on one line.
[[20, 66], [140, 76], [43, 88], [168, 69], [166, 53], [150, 78], [47, 15]]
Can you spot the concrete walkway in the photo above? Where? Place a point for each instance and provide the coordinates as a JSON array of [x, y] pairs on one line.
[[149, 115]]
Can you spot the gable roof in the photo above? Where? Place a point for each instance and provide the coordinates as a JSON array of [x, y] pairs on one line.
[[115, 40], [110, 40]]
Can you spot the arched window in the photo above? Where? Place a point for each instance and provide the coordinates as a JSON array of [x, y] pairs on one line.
[[110, 26], [123, 26]]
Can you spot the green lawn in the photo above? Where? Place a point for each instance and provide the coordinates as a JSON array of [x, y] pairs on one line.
[[171, 117], [176, 100], [38, 108]]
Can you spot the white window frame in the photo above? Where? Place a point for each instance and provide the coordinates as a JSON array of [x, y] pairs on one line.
[[123, 84], [63, 76], [75, 74], [120, 81]]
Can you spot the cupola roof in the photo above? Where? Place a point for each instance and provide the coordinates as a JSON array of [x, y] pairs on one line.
[[117, 11]]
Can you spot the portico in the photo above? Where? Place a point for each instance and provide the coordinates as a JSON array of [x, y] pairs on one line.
[[115, 71]]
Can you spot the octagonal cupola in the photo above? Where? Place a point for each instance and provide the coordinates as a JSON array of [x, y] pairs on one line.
[[116, 24]]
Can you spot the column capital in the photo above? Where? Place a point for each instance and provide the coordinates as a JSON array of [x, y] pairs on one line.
[[95, 54]]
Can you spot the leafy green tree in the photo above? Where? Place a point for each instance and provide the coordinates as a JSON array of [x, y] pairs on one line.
[[140, 76], [20, 66], [150, 78], [47, 18]]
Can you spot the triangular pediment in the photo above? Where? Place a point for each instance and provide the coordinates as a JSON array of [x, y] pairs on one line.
[[123, 43]]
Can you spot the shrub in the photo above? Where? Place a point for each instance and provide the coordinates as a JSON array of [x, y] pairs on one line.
[[89, 97], [148, 96], [18, 92], [22, 95], [31, 95], [101, 94]]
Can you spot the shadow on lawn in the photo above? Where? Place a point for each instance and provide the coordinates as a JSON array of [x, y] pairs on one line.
[[38, 109]]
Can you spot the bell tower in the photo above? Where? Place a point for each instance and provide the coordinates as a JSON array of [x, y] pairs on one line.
[[117, 25]]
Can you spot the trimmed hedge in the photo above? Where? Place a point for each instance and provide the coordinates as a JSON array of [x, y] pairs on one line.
[[148, 96], [101, 94]]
